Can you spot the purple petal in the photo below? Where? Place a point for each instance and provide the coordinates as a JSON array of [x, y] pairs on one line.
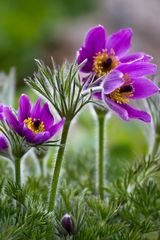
[[12, 120], [134, 57], [41, 137], [127, 112], [95, 40], [138, 69], [143, 87], [31, 137], [35, 113], [134, 113], [121, 112], [55, 128], [97, 95], [112, 81], [83, 55], [28, 134], [46, 116], [120, 42], [3, 142], [24, 108], [147, 58], [1, 113]]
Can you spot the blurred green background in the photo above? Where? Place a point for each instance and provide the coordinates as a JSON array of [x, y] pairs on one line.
[[40, 29]]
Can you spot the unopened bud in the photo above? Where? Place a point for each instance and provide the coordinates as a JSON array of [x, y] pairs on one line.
[[67, 223]]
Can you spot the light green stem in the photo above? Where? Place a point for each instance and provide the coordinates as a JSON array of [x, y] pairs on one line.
[[101, 121], [18, 170], [57, 167], [155, 146]]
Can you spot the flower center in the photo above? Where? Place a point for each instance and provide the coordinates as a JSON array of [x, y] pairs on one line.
[[122, 94], [104, 62], [35, 125]]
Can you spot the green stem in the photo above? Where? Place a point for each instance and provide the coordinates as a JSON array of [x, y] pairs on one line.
[[101, 122], [57, 167], [155, 146], [41, 160], [18, 170]]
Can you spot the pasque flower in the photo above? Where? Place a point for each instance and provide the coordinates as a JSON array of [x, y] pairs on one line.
[[35, 124], [104, 54], [128, 83]]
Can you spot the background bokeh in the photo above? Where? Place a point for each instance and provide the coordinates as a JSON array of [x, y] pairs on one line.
[[40, 29]]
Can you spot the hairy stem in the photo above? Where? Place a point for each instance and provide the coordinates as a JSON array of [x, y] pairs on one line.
[[18, 170], [101, 121], [57, 168]]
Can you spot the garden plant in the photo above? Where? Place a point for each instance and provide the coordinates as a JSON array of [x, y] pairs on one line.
[[72, 198]]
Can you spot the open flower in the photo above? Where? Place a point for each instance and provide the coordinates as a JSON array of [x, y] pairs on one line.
[[128, 83], [35, 124], [104, 54]]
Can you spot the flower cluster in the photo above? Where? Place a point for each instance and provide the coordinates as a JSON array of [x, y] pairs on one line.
[[121, 76]]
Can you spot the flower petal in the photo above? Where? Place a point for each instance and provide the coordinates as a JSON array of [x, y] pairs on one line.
[[3, 142], [28, 134], [55, 128], [120, 42], [95, 40], [83, 55], [97, 95], [1, 113], [12, 120], [37, 138], [35, 113], [46, 116], [138, 69], [24, 108], [112, 81], [134, 113], [42, 137], [127, 112], [143, 88], [134, 57], [121, 112]]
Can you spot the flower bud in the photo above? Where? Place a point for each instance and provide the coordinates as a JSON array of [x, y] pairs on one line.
[[67, 223]]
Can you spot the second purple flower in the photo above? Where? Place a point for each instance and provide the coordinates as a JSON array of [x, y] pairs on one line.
[[35, 124]]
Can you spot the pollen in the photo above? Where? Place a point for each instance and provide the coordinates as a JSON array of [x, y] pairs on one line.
[[123, 94], [104, 62], [35, 125]]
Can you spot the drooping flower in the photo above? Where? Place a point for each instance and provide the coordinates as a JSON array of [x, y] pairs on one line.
[[35, 124], [128, 83], [104, 54]]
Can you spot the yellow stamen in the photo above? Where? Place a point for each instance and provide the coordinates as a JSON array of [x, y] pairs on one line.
[[35, 125], [122, 94], [104, 62]]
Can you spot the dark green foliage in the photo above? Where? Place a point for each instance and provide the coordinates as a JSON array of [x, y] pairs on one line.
[[131, 209]]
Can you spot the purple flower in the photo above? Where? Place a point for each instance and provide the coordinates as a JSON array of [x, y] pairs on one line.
[[104, 54], [128, 83], [35, 124], [3, 143]]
